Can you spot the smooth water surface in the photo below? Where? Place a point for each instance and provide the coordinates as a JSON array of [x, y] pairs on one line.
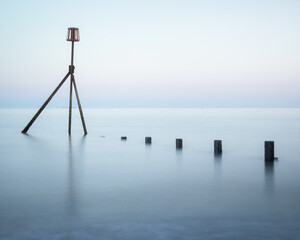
[[53, 186]]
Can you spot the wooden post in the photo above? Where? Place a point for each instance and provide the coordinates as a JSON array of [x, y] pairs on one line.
[[148, 140], [218, 147], [269, 151], [178, 143], [123, 138]]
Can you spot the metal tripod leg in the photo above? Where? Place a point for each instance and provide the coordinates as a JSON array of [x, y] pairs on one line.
[[45, 104], [79, 106]]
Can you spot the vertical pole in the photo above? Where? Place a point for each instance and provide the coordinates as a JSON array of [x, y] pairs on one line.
[[70, 106], [72, 54], [71, 80]]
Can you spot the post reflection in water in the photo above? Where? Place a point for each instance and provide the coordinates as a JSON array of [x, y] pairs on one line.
[[179, 157], [269, 177], [218, 165]]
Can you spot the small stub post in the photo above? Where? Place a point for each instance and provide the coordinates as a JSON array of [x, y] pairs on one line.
[[148, 140], [218, 147], [178, 143], [269, 151]]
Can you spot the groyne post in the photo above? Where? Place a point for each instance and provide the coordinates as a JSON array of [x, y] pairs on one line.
[[148, 140], [218, 147], [178, 143], [269, 151]]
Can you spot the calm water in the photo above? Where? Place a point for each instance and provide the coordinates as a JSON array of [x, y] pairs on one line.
[[99, 187]]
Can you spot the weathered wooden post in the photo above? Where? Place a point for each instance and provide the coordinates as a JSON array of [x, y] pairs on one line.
[[148, 140], [218, 147], [124, 138], [269, 151], [178, 143]]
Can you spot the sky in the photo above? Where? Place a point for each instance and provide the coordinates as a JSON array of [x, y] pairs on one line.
[[180, 53]]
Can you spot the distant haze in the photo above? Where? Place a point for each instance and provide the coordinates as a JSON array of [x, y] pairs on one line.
[[162, 53]]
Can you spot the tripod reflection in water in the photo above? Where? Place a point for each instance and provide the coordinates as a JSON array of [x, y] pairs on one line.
[[73, 191]]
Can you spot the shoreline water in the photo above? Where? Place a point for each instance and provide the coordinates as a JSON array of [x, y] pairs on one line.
[[56, 187]]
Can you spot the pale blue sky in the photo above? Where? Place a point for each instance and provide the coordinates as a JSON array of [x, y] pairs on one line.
[[152, 53]]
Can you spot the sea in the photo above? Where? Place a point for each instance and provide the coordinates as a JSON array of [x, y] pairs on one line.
[[97, 186]]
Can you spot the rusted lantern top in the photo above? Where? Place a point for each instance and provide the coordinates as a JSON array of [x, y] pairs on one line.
[[73, 35]]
